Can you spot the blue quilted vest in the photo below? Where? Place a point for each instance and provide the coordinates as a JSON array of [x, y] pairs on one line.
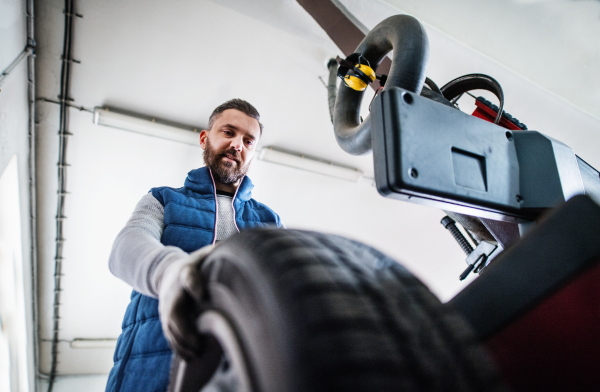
[[142, 356]]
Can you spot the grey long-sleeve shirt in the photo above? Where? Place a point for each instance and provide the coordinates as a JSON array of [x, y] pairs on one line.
[[140, 259]]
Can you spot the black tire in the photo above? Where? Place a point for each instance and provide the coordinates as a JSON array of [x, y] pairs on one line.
[[315, 312]]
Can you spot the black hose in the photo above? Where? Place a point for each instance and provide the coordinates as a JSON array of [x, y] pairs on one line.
[[332, 65], [465, 83], [407, 38], [434, 87]]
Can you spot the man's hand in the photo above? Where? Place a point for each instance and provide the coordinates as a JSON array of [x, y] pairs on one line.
[[180, 290]]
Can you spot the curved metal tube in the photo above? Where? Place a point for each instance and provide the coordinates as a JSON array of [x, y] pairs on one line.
[[407, 38]]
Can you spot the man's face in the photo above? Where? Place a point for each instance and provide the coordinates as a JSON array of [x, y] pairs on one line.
[[229, 145]]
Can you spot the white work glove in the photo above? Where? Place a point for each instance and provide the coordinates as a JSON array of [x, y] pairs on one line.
[[179, 293]]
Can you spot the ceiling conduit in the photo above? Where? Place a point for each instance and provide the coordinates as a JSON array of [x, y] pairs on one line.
[[31, 44], [62, 182]]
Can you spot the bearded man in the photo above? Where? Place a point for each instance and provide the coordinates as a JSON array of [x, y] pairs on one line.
[[152, 252]]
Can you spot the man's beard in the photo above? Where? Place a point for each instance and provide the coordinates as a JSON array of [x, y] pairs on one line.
[[226, 172]]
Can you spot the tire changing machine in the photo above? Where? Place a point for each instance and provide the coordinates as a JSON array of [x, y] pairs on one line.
[[536, 306]]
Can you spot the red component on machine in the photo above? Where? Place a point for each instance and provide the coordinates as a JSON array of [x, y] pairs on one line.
[[487, 111], [554, 347]]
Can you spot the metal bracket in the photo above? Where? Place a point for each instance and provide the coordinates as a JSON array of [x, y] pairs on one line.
[[480, 258]]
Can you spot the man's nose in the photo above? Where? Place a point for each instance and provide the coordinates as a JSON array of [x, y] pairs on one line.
[[236, 143]]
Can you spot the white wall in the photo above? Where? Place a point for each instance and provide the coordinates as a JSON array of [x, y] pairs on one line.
[[12, 294], [14, 142], [88, 383]]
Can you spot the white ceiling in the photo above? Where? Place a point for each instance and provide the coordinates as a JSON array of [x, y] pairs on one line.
[[552, 43], [178, 60]]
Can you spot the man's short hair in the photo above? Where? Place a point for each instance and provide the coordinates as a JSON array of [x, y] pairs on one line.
[[237, 104]]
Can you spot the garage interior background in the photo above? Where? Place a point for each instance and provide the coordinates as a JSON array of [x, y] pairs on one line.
[[177, 61]]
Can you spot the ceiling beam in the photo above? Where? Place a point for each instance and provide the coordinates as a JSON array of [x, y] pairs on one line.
[[342, 31]]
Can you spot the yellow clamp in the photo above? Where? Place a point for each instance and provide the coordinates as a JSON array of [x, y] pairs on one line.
[[362, 76]]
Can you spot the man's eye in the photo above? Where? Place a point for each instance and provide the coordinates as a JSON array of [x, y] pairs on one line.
[[249, 142]]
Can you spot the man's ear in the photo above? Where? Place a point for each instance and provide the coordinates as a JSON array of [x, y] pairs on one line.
[[203, 136]]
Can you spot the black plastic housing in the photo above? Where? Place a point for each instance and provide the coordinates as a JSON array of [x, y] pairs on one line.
[[428, 153]]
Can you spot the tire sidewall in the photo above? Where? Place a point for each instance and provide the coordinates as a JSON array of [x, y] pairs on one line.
[[242, 292]]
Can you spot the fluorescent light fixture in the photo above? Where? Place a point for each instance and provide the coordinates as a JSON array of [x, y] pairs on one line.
[[94, 343], [147, 125], [299, 161]]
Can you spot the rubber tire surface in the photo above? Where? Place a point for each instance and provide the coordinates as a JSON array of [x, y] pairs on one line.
[[317, 312]]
